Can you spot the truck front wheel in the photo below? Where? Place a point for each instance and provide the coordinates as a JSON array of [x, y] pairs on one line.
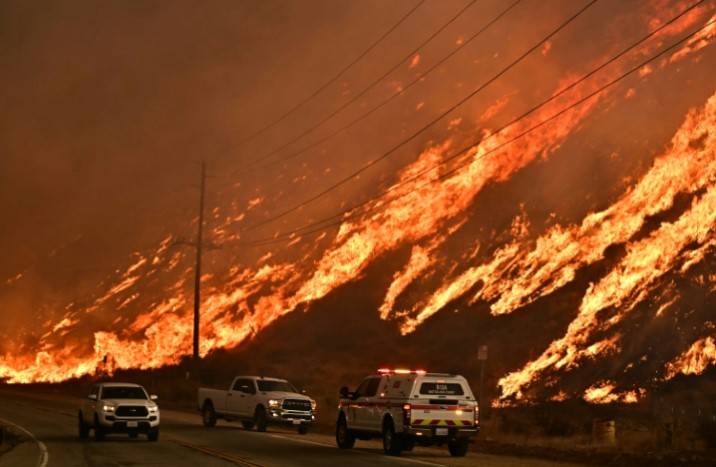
[[83, 428], [260, 419], [458, 447], [98, 430], [344, 437], [153, 435]]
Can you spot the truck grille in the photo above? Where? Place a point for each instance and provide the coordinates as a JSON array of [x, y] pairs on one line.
[[296, 417], [295, 404], [131, 411]]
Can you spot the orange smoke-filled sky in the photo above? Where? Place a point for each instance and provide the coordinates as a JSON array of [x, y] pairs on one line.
[[112, 105]]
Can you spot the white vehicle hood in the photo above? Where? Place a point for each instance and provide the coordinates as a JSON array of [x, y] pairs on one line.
[[286, 395], [140, 402]]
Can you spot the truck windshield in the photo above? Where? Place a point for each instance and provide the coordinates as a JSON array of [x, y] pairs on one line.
[[278, 386], [441, 389], [123, 392]]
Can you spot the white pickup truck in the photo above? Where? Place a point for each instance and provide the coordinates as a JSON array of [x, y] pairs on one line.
[[406, 407], [257, 401], [119, 408]]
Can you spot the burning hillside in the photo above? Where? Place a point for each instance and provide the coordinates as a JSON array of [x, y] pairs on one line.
[[490, 217]]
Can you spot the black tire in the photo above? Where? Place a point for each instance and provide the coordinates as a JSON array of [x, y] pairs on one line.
[[247, 424], [408, 444], [260, 419], [83, 428], [98, 430], [153, 435], [392, 444], [303, 429], [344, 437], [208, 415], [458, 447]]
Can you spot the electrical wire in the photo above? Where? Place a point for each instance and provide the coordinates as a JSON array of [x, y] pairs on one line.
[[365, 90], [333, 79], [286, 236], [422, 129]]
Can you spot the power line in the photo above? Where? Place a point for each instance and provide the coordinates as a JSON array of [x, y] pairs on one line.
[[332, 80], [300, 231], [366, 89], [393, 96], [402, 143]]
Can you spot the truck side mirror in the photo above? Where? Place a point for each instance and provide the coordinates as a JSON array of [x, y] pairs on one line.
[[92, 397], [303, 391], [345, 394], [153, 397]]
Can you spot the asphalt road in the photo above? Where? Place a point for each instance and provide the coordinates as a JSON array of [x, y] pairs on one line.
[[49, 426]]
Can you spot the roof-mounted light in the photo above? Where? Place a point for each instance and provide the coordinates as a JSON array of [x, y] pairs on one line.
[[401, 371]]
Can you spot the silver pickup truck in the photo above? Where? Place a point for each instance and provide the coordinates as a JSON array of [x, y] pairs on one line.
[[257, 401]]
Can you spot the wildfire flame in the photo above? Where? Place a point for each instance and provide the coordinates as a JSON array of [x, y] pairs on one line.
[[241, 302], [694, 361]]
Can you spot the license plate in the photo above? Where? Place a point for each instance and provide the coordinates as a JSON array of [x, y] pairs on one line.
[[296, 422], [441, 431], [132, 424]]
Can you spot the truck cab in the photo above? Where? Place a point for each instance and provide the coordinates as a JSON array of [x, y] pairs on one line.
[[406, 407]]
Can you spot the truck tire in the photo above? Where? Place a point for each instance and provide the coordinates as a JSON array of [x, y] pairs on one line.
[[458, 447], [408, 444], [260, 419], [303, 429], [208, 415], [247, 424], [83, 428], [391, 442], [153, 435], [345, 439], [98, 430]]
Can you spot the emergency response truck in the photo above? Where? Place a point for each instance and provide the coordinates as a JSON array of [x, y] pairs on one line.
[[406, 407]]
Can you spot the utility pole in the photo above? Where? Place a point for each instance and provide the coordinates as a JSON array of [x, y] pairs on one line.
[[197, 268]]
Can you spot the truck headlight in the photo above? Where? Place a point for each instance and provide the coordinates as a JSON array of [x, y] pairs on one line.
[[313, 405], [108, 408], [153, 410], [274, 403]]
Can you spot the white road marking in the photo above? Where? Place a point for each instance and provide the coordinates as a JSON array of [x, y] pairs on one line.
[[357, 451], [44, 455]]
